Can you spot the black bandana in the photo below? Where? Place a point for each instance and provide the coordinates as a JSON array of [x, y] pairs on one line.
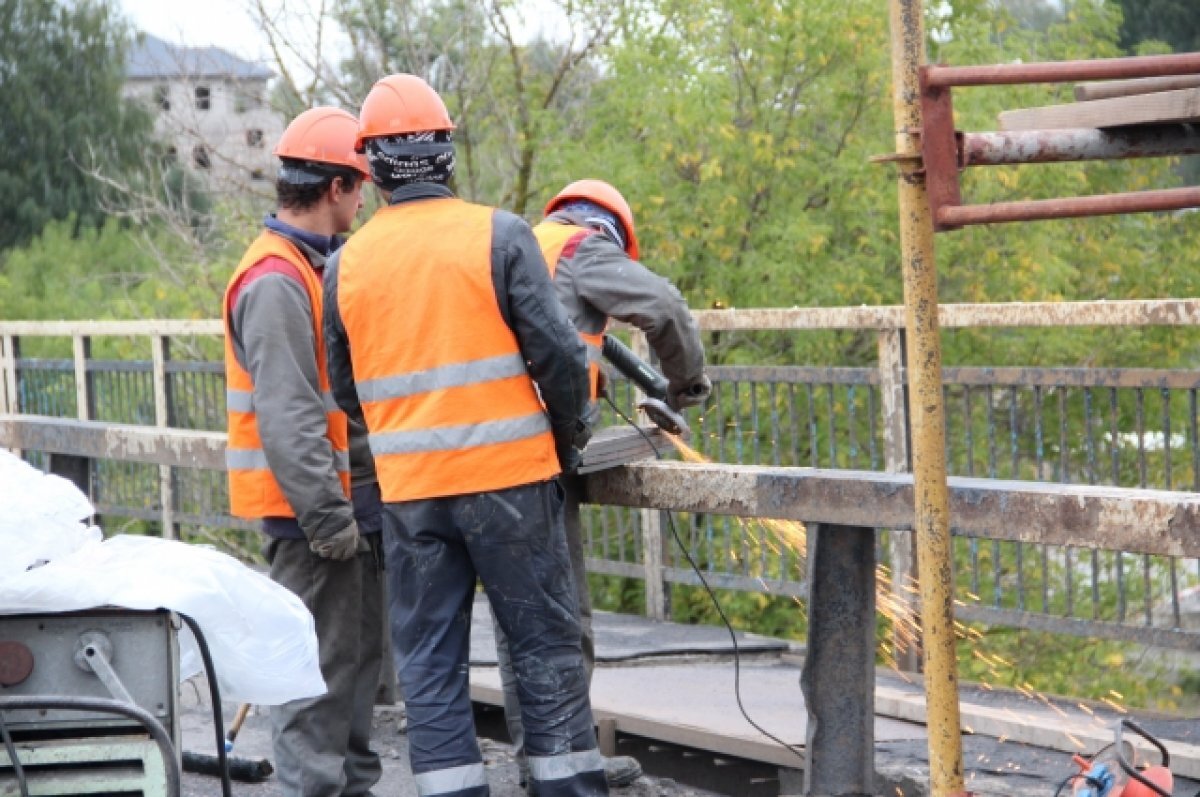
[[410, 158]]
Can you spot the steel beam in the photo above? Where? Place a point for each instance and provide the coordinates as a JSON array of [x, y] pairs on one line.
[[1156, 522], [1166, 199], [838, 679], [1126, 312], [95, 440], [1077, 144], [173, 327]]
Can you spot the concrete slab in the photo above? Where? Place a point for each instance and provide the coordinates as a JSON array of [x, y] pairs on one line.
[[694, 704], [625, 637]]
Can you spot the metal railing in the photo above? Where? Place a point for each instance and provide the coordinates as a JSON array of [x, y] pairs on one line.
[[1120, 427]]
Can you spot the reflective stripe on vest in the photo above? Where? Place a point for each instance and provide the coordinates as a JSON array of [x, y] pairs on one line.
[[450, 780], [441, 378], [253, 490], [447, 398], [256, 459], [553, 238], [243, 401]]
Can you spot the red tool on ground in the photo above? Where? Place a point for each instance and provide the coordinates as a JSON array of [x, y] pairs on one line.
[[1116, 772]]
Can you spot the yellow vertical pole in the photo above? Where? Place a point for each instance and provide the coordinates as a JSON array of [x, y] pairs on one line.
[[931, 496]]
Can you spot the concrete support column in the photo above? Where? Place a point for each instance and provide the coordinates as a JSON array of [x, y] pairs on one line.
[[838, 680]]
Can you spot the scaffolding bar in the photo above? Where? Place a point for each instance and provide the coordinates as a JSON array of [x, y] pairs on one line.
[[949, 217], [1141, 66], [924, 349], [1077, 144]]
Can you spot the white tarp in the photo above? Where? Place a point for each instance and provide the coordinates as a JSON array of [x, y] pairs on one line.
[[262, 638]]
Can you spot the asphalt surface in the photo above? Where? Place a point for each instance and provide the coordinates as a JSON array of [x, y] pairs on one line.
[[254, 742]]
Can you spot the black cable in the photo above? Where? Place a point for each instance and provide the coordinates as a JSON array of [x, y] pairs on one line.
[[737, 656], [12, 756], [215, 692]]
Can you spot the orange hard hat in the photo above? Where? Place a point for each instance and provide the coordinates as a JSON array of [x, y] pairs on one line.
[[401, 104], [605, 196], [323, 135]]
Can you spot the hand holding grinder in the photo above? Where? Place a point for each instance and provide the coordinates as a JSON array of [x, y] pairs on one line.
[[659, 405]]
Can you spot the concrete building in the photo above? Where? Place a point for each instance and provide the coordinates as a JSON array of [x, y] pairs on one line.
[[211, 108]]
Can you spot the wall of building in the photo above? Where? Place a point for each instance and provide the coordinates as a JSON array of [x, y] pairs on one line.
[[218, 127]]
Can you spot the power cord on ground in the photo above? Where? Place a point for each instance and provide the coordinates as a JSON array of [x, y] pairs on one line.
[[11, 749], [737, 664]]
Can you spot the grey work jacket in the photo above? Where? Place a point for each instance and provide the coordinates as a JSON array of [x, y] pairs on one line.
[[272, 335], [600, 281]]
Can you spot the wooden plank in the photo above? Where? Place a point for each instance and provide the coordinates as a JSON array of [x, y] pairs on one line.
[[693, 705], [1182, 105], [1128, 88], [618, 445]]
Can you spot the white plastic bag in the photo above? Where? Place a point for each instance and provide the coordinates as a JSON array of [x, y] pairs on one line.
[[261, 636], [40, 517]]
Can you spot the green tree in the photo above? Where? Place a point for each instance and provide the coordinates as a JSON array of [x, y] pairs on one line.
[[1175, 22], [113, 271], [61, 72]]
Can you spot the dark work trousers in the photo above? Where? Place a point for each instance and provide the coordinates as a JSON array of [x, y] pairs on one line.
[[513, 541], [573, 486], [323, 744]]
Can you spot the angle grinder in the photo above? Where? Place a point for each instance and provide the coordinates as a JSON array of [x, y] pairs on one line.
[[649, 381]]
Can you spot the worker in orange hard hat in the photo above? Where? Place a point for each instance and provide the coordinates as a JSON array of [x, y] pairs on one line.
[[445, 335], [295, 465], [590, 244]]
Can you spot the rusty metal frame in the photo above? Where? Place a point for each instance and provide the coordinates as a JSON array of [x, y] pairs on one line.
[[945, 152]]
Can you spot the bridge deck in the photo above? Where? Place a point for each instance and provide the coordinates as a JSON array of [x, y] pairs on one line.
[[674, 683]]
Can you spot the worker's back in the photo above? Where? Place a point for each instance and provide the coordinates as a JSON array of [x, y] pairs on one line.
[[444, 388]]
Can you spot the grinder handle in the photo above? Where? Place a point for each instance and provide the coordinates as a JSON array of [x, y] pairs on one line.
[[634, 368]]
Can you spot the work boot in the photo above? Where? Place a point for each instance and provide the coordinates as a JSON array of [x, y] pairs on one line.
[[621, 770]]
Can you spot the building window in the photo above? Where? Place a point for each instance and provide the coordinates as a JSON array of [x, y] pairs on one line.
[[162, 97], [254, 138], [203, 98], [200, 157]]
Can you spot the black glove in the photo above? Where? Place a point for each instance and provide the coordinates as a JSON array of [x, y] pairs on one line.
[[569, 458], [569, 446], [339, 546]]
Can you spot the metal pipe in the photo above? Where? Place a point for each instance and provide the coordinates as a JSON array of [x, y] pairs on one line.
[[1070, 207], [1077, 144], [1130, 88], [1064, 71], [931, 495]]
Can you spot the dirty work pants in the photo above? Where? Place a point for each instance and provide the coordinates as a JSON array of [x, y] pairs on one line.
[[512, 540], [322, 744], [573, 487]]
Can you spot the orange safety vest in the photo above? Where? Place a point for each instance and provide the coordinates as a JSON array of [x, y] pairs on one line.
[[553, 238], [444, 388], [253, 490]]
